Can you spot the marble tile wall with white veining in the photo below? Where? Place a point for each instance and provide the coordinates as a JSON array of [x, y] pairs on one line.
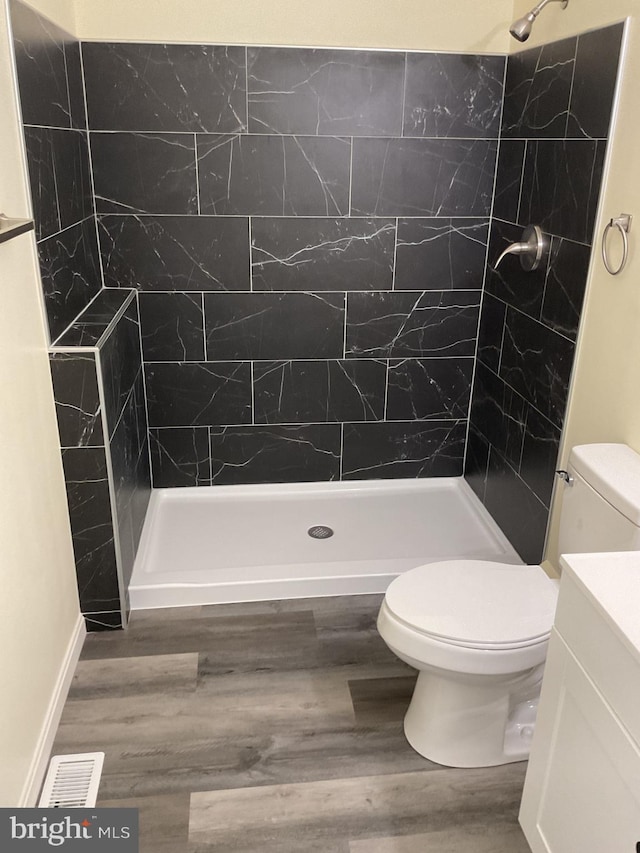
[[307, 230], [98, 390], [49, 75], [100, 405], [557, 110]]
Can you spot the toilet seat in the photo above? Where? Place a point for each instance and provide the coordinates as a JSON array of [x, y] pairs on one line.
[[475, 604]]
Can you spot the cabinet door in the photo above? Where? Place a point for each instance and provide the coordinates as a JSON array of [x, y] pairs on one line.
[[582, 792]]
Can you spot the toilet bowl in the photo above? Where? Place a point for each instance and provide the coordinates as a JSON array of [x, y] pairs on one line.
[[477, 632]]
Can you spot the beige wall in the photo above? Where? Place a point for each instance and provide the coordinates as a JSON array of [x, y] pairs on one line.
[[61, 12], [456, 25], [580, 15], [604, 404], [39, 608]]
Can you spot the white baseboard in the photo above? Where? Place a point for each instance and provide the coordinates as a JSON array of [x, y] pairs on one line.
[[40, 760]]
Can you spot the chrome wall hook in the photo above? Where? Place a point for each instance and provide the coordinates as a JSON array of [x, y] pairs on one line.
[[623, 224]]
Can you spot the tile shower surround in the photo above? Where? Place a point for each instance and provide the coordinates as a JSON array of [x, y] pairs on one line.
[[557, 111], [49, 71], [96, 366], [307, 230]]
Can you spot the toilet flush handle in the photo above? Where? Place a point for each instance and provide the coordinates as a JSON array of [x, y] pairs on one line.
[[565, 475]]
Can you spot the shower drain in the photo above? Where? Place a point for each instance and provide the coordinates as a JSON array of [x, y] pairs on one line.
[[320, 531]]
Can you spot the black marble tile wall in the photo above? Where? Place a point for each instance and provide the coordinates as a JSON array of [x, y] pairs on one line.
[[307, 230], [100, 403], [84, 456], [322, 254], [85, 471], [70, 274], [175, 253], [129, 451], [557, 111], [325, 92], [78, 405], [96, 366], [165, 87], [49, 74], [275, 454], [125, 419]]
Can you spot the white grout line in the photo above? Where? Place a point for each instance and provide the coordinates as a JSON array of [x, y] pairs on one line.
[[204, 328], [395, 255], [112, 496], [90, 154], [344, 341], [246, 84], [486, 268], [253, 394], [195, 156], [350, 175], [250, 226]]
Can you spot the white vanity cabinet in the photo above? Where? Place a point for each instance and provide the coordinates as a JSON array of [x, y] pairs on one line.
[[582, 791]]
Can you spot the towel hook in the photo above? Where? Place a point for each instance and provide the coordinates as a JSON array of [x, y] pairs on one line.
[[623, 224]]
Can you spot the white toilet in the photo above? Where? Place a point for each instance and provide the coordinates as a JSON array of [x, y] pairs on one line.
[[478, 631]]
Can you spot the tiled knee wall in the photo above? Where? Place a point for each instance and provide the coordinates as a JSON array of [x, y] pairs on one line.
[[307, 230], [103, 434]]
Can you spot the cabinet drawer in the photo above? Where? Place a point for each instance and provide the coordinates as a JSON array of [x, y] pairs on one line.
[[603, 653]]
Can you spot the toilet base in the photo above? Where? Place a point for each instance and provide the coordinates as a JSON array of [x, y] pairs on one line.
[[466, 722]]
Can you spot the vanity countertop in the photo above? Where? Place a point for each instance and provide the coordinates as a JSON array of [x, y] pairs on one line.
[[611, 581]]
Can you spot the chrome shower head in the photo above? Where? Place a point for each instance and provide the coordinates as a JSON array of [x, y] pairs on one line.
[[521, 29]]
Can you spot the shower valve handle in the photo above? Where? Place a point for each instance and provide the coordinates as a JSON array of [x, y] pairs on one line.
[[532, 249]]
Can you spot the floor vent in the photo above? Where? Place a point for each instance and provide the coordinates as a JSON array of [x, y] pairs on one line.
[[72, 781]]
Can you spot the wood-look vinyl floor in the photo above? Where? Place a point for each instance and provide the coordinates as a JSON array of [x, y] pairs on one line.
[[274, 726]]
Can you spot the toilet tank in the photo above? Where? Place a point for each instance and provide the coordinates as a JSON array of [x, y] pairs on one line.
[[601, 507]]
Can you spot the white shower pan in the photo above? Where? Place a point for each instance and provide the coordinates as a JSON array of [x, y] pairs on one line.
[[209, 545]]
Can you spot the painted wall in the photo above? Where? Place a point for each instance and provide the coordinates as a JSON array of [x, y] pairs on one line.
[[62, 12], [463, 25], [39, 611], [555, 22], [604, 403]]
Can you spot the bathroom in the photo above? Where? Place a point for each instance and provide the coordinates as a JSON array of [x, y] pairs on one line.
[[602, 404]]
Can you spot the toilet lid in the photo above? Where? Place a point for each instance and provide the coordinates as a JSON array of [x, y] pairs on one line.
[[475, 603]]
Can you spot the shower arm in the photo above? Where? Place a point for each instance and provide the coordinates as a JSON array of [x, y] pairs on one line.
[[533, 14], [521, 29]]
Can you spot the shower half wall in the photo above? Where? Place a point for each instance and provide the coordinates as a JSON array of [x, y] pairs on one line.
[[305, 233]]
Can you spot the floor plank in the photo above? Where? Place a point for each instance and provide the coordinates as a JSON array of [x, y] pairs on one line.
[[274, 727], [475, 838], [261, 818]]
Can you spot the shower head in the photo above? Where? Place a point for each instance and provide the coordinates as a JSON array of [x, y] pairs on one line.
[[521, 29]]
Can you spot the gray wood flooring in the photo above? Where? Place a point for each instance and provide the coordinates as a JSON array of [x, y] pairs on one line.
[[274, 726]]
